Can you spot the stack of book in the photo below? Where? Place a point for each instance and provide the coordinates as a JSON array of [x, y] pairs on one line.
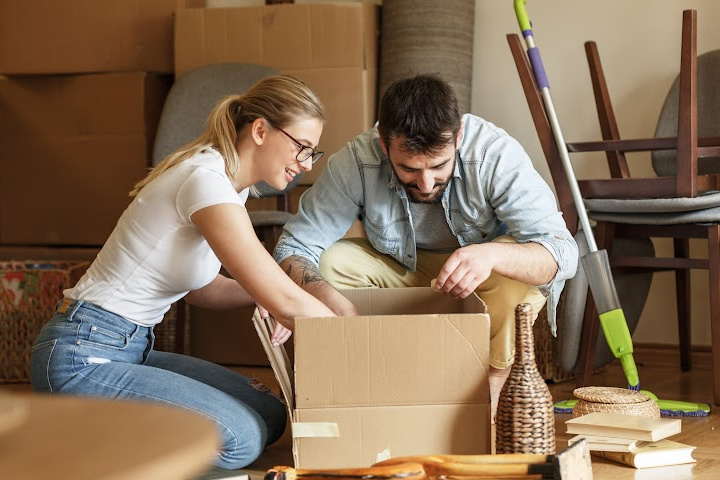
[[636, 441]]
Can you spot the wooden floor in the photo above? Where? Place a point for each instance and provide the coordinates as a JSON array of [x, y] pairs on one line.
[[659, 373]]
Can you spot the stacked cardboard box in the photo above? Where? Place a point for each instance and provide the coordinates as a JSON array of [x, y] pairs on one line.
[[84, 84], [330, 46]]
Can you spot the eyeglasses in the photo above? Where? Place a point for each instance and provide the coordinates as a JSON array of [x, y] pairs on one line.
[[305, 152]]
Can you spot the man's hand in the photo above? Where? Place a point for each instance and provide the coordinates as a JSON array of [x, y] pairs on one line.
[[469, 266], [464, 271]]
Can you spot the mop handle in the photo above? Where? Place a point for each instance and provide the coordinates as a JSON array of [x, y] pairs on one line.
[[542, 81]]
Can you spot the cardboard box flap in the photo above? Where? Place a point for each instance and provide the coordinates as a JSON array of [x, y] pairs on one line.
[[410, 301], [279, 360]]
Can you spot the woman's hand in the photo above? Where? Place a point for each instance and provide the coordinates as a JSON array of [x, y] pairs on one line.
[[280, 334]]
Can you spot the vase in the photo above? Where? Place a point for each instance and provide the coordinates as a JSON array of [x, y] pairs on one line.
[[525, 420]]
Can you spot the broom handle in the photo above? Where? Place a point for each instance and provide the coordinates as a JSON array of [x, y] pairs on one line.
[[542, 81]]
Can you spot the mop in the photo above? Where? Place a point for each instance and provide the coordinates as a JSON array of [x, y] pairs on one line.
[[595, 263]]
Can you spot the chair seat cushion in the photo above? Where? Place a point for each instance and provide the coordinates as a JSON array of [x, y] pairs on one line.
[[653, 205], [704, 208], [705, 216], [265, 218]]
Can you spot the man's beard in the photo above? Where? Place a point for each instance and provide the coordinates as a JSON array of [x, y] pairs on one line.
[[435, 196]]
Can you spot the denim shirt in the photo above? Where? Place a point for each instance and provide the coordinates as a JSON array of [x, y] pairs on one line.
[[494, 191]]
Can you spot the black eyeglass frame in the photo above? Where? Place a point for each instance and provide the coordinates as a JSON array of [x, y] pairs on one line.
[[314, 155]]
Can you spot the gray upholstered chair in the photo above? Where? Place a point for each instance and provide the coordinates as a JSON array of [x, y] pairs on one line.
[[191, 98], [681, 205]]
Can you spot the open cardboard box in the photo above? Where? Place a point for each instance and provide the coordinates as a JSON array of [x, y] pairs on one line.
[[407, 377]]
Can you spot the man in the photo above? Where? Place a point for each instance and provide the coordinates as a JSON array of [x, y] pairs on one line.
[[445, 200]]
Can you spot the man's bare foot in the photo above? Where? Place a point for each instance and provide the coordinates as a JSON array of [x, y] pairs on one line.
[[497, 379]]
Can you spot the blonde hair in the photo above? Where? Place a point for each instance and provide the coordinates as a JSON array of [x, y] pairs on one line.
[[279, 99]]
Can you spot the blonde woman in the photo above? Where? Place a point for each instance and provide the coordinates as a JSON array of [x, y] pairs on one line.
[[186, 219]]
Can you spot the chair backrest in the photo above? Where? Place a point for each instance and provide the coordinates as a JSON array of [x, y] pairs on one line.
[[708, 112], [192, 98]]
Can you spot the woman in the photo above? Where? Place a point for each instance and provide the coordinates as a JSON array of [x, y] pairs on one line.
[[188, 218]]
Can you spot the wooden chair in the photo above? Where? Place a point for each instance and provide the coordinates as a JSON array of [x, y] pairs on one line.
[[681, 206]]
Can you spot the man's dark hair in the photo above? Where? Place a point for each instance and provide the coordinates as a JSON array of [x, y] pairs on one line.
[[421, 109]]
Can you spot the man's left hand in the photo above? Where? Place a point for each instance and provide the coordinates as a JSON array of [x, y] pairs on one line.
[[464, 271]]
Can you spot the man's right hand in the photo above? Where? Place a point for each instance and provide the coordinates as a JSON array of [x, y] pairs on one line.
[[306, 274]]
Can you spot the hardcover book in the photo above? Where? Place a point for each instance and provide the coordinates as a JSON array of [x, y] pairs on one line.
[[624, 426], [652, 454], [606, 444]]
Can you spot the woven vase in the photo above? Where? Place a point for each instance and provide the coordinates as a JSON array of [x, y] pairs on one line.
[[525, 420]]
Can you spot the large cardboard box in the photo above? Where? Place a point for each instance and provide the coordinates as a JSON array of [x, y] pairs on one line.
[[407, 377], [284, 36], [71, 148], [80, 36], [330, 46]]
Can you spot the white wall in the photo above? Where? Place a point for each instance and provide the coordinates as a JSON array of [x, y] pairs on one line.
[[639, 44]]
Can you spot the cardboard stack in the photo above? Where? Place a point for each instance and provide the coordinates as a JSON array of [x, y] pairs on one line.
[[330, 46], [83, 86]]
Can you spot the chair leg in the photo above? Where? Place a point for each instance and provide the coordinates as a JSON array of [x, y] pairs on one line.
[[682, 292], [714, 268]]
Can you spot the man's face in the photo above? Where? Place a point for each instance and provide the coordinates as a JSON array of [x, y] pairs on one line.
[[424, 177]]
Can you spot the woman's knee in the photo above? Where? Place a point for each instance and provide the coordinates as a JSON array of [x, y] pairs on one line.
[[242, 443], [276, 421]]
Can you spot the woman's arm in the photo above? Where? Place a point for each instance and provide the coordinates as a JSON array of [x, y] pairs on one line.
[[221, 294], [229, 232]]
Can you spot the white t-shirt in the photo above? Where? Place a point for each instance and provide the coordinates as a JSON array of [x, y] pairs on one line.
[[156, 255]]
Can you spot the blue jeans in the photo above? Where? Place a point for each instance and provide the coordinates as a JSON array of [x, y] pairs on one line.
[[86, 350]]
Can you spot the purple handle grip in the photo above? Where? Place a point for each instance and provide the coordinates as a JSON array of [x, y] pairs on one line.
[[538, 69]]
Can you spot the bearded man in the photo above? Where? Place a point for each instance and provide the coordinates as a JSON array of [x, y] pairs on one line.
[[445, 199]]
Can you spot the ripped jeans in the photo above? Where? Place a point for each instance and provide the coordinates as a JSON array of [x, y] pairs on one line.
[[86, 350]]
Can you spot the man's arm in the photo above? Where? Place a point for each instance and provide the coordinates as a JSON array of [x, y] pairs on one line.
[[469, 266], [306, 274]]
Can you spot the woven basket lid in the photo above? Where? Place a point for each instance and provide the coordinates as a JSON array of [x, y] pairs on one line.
[[612, 395]]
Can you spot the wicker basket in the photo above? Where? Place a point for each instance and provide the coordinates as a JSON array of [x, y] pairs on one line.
[[614, 400], [546, 351], [167, 331], [29, 291]]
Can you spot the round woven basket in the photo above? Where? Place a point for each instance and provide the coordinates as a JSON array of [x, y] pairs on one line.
[[614, 400]]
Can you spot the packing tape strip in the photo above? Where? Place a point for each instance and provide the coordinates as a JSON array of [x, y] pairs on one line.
[[315, 429]]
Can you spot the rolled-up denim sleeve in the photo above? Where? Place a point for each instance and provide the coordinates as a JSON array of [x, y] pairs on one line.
[[326, 210], [526, 204]]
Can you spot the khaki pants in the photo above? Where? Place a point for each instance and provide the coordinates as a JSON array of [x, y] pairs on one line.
[[354, 263]]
